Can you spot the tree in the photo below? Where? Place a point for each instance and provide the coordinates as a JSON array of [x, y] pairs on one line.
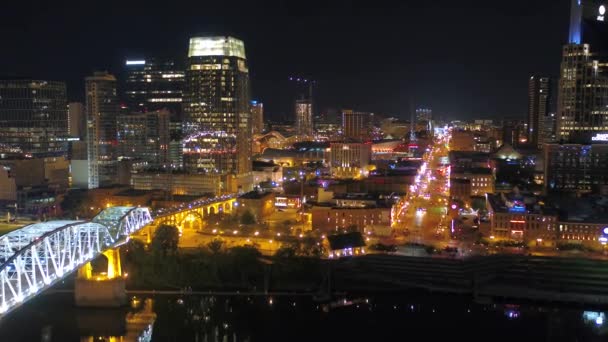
[[245, 262], [247, 218], [76, 203], [285, 252], [215, 246], [165, 240], [309, 246]]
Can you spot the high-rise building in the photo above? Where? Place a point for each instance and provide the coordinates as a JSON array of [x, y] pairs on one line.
[[548, 127], [33, 116], [582, 106], [153, 84], [576, 168], [217, 119], [102, 110], [539, 95], [76, 120], [257, 117], [144, 136], [303, 110], [424, 114], [356, 125]]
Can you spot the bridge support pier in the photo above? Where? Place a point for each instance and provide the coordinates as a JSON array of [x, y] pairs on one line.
[[104, 290]]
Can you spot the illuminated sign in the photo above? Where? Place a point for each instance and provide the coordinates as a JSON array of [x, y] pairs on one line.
[[136, 62], [605, 230], [600, 137], [601, 11]]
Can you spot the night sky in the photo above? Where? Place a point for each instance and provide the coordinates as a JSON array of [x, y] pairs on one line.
[[464, 59]]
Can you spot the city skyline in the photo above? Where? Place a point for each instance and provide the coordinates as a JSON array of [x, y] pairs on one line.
[[484, 63]]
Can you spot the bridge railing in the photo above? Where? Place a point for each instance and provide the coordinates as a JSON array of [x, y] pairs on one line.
[[192, 205], [37, 256]]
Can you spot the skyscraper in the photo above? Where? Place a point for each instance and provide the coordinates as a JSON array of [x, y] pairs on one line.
[[424, 114], [257, 117], [548, 128], [144, 136], [33, 116], [217, 119], [76, 120], [539, 95], [303, 110], [101, 110], [153, 84], [582, 106], [356, 125]]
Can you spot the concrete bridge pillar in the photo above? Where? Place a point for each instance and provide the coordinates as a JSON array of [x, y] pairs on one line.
[[106, 289]]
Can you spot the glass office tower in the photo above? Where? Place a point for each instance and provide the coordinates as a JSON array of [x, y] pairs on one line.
[[101, 108], [33, 116], [153, 84], [217, 117]]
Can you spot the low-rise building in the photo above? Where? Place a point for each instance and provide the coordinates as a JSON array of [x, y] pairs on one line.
[[460, 190], [515, 217], [180, 183], [560, 221], [462, 140], [260, 204], [365, 213], [350, 159], [482, 179], [469, 159], [266, 172]]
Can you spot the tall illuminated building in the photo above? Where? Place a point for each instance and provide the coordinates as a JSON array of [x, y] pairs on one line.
[[217, 119], [539, 95], [582, 106], [424, 114], [548, 128], [101, 106], [356, 125], [33, 116], [152, 84], [303, 110], [257, 117], [144, 136], [76, 120]]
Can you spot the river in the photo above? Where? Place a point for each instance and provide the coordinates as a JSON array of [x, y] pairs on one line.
[[53, 317]]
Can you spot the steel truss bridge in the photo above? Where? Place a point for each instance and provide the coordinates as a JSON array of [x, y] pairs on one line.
[[35, 257]]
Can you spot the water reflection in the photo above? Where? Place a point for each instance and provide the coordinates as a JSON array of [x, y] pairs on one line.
[[136, 325], [298, 318]]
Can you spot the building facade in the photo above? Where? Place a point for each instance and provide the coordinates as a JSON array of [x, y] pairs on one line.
[[482, 179], [576, 168], [539, 97], [102, 108], [144, 136], [217, 119], [303, 110], [335, 219], [349, 159], [33, 116], [153, 84], [179, 183], [582, 105], [257, 117], [548, 128], [356, 125], [77, 123]]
